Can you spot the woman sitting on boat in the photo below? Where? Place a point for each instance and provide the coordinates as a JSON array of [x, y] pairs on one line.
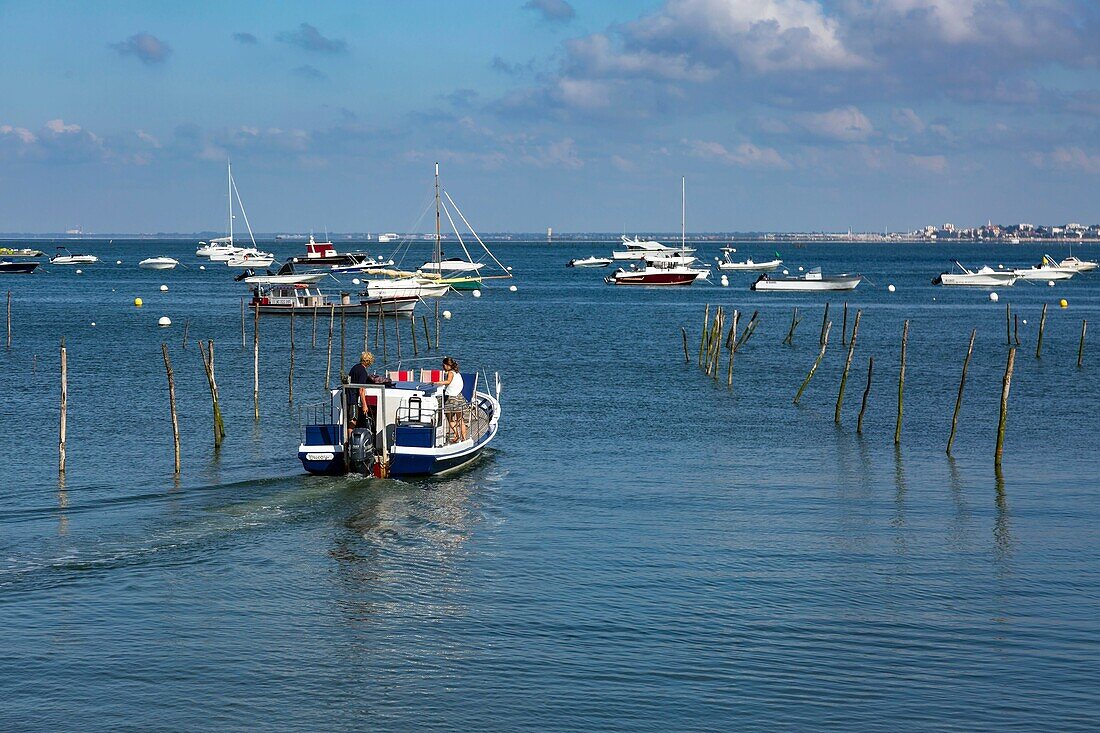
[[454, 404]]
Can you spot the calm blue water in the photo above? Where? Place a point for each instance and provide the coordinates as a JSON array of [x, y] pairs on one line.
[[642, 550]]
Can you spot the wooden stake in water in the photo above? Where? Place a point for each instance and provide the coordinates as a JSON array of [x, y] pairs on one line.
[[1008, 326], [748, 332], [64, 409], [9, 319], [382, 323], [962, 385], [844, 326], [703, 339], [1016, 328], [901, 382], [1042, 323], [207, 354], [795, 320], [186, 324], [866, 394], [328, 366], [732, 346], [427, 335], [243, 345], [172, 406], [1081, 346], [817, 361], [256, 364], [847, 366], [1006, 385], [412, 331], [290, 371], [684, 333], [824, 320]]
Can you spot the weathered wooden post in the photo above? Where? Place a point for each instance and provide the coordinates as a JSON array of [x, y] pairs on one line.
[[1081, 346], [412, 332], [844, 326], [720, 322], [172, 406], [328, 366], [9, 319], [427, 334], [795, 320], [731, 344], [382, 325], [1042, 323], [962, 385], [207, 354], [64, 408], [847, 366], [866, 394], [1008, 326], [256, 364], [684, 333], [901, 381], [186, 324], [1016, 328], [824, 320], [1006, 385], [290, 371], [754, 321], [817, 361], [703, 338]]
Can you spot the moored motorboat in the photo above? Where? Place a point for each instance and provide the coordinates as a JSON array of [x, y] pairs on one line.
[[65, 257], [218, 249], [404, 432], [289, 278], [1078, 264], [1047, 269], [655, 274], [158, 263], [811, 281], [405, 287], [727, 263], [451, 266], [17, 267], [985, 277], [588, 262], [251, 258], [305, 298], [637, 249], [19, 252]]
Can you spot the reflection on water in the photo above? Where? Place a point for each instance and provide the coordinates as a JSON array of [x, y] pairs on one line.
[[62, 504], [1002, 526], [898, 520], [960, 523]]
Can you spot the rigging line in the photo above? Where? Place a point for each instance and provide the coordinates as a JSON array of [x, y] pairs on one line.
[[490, 253], [457, 234], [243, 212], [403, 246]]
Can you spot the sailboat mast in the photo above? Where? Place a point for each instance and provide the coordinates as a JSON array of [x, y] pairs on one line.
[[229, 174], [438, 251], [683, 212]]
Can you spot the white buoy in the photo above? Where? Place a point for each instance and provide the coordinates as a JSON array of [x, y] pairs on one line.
[[79, 272], [513, 288], [891, 288], [202, 267], [786, 272], [164, 288], [1050, 283], [725, 281], [800, 268], [355, 281], [446, 315], [93, 324], [1000, 267], [118, 262], [509, 269], [477, 293], [164, 321], [994, 297], [1025, 321]]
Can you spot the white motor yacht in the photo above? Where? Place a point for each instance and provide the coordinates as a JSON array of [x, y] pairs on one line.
[[986, 277]]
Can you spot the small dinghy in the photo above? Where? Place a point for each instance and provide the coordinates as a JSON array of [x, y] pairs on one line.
[[986, 277], [158, 263], [10, 267], [812, 281], [588, 262], [404, 433], [727, 264], [65, 257]]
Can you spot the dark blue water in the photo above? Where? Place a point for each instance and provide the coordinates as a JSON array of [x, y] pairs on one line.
[[643, 549]]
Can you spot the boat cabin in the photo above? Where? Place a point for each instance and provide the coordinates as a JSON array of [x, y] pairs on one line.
[[290, 297]]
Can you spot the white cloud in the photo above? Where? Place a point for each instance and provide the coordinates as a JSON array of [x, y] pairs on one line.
[[1070, 158], [844, 124], [745, 155], [25, 136]]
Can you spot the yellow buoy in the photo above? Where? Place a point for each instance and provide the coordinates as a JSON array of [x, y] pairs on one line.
[[1063, 303], [137, 302]]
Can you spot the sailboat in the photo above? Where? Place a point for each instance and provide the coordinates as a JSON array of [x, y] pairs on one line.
[[223, 249], [669, 266]]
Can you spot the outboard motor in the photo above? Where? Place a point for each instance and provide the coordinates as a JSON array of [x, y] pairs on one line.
[[361, 451], [243, 275]]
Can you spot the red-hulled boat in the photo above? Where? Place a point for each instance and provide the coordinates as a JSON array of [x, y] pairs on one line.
[[655, 273]]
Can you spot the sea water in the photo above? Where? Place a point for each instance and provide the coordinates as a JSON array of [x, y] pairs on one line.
[[643, 548]]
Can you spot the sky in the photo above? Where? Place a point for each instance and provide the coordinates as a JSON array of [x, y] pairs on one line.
[[783, 115]]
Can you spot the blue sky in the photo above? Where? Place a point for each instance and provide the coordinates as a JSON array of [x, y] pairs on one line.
[[783, 114]]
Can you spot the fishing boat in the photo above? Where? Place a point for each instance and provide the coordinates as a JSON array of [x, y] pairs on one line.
[[65, 257], [986, 277], [251, 257], [588, 262], [19, 252], [811, 281], [405, 432], [324, 254], [637, 249], [727, 263], [17, 267], [1078, 264], [662, 265], [1047, 269], [654, 274], [305, 298], [158, 263]]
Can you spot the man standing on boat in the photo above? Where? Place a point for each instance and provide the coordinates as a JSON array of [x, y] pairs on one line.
[[361, 374]]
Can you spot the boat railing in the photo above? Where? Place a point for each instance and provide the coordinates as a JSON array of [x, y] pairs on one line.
[[318, 414]]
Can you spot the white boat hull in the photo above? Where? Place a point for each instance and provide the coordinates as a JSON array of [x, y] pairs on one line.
[[452, 267], [405, 288], [977, 279], [749, 266], [1045, 273], [796, 284], [251, 261], [590, 262], [158, 263]]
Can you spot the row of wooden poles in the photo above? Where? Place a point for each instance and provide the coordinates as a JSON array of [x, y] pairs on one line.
[[206, 351], [715, 338]]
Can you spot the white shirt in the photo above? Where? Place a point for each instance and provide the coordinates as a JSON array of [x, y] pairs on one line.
[[454, 389]]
